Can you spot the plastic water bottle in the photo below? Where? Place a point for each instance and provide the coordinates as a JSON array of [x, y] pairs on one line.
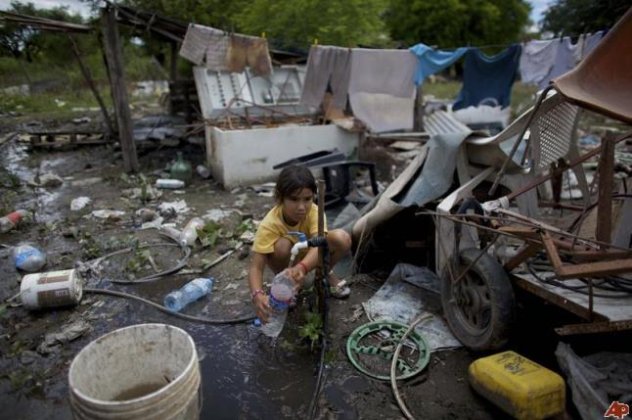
[[188, 293], [172, 184], [11, 220], [281, 293], [189, 234], [28, 258]]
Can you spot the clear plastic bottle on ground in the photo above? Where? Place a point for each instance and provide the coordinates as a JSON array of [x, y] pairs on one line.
[[189, 234], [188, 293], [281, 293]]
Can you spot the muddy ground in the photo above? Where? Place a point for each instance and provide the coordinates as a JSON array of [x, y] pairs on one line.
[[243, 375]]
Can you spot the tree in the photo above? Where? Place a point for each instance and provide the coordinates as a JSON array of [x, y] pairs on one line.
[[574, 17], [457, 23], [20, 41], [216, 13], [346, 23]]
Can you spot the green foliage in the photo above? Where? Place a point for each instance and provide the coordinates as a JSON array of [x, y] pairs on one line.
[[312, 328], [247, 225], [344, 23], [90, 248], [456, 23], [140, 258], [574, 17], [210, 233], [217, 13], [22, 41]]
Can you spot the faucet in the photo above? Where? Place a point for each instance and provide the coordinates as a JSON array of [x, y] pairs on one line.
[[301, 244]]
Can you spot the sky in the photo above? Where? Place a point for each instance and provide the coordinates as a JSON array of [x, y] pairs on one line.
[[74, 6], [538, 6]]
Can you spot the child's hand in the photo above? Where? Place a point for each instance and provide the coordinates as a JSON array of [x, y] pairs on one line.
[[297, 274], [262, 307]]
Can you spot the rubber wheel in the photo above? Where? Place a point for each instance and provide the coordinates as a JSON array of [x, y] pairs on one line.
[[480, 307]]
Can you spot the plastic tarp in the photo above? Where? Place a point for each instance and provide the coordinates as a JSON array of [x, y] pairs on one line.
[[596, 380], [409, 292], [428, 177]]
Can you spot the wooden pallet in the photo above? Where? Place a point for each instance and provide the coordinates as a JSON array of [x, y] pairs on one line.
[[51, 140]]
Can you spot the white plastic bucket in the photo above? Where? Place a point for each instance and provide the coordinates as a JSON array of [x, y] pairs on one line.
[[146, 371], [51, 289]]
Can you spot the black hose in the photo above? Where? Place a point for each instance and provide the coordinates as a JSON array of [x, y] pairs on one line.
[[167, 311], [581, 289]]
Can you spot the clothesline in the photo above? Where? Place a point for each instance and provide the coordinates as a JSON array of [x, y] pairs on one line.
[[507, 45]]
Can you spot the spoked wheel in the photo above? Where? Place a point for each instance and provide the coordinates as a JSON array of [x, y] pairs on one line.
[[479, 307]]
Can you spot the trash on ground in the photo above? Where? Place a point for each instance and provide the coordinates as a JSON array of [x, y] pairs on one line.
[[67, 334], [11, 220], [28, 258], [203, 171], [79, 203], [47, 180], [173, 208], [145, 193], [113, 215], [522, 388], [51, 289], [171, 184], [408, 292], [596, 380]]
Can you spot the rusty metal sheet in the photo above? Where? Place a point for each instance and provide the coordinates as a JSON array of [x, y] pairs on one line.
[[594, 327], [556, 299]]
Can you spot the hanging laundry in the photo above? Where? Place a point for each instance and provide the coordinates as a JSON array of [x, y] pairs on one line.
[[195, 43], [536, 60], [340, 76], [565, 60], [217, 51], [431, 61], [590, 42], [327, 66], [382, 71], [226, 53], [381, 112], [488, 80], [248, 51], [381, 88]]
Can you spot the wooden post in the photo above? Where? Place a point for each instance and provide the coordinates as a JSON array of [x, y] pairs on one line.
[[86, 74], [114, 60], [418, 117], [320, 270], [174, 62], [606, 182]]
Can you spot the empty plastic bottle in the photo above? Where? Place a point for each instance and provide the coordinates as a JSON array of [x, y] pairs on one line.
[[172, 232], [172, 184], [188, 293], [11, 220], [281, 293], [190, 232]]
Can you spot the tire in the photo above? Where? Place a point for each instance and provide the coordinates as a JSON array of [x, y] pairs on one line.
[[480, 309]]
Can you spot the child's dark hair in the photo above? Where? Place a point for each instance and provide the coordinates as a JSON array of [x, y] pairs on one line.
[[293, 179]]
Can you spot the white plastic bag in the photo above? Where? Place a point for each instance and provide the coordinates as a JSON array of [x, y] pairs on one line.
[[28, 258]]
